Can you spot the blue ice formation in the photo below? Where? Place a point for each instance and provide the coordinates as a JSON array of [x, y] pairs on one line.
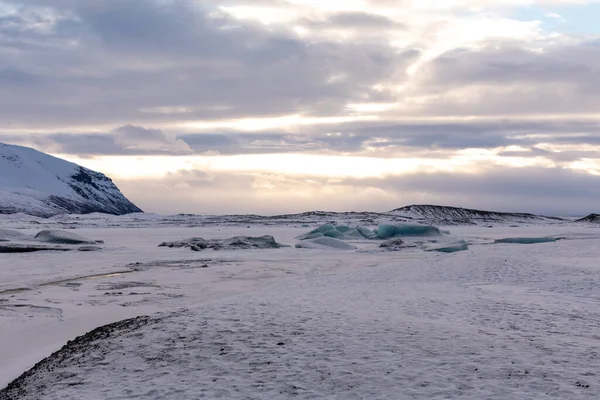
[[528, 240], [388, 231], [339, 232], [454, 247], [384, 231]]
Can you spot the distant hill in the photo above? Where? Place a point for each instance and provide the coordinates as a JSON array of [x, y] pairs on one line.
[[36, 183], [445, 215], [592, 219]]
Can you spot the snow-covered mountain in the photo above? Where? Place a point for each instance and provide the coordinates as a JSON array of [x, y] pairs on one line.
[[36, 183], [444, 215]]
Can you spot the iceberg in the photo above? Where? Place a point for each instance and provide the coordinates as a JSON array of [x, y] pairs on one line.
[[528, 240], [325, 242], [454, 247]]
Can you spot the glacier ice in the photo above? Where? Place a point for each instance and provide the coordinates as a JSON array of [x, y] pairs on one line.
[[526, 240], [62, 237], [325, 242], [334, 233], [387, 231], [234, 243], [453, 247], [339, 232], [384, 231], [366, 232]]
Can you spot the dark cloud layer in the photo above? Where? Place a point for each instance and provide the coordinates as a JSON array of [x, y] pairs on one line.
[[106, 61]]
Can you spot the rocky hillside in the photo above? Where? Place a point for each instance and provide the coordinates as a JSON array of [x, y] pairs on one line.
[[444, 215]]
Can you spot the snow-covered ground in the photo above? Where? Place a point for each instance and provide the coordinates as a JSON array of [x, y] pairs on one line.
[[499, 321]]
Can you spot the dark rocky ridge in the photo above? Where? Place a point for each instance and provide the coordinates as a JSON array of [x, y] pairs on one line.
[[592, 219], [446, 215]]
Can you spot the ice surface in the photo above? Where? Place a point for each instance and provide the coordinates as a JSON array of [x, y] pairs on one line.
[[309, 324], [319, 324], [325, 242], [454, 247], [526, 240], [62, 237], [234, 243]]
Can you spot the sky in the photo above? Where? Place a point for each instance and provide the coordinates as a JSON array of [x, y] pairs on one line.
[[281, 106]]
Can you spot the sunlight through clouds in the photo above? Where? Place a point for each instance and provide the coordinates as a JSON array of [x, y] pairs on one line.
[[314, 99]]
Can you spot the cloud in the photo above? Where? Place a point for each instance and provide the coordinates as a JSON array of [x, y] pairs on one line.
[[115, 62], [548, 191], [132, 138], [421, 82]]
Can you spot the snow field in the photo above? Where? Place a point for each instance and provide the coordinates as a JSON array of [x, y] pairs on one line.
[[495, 322]]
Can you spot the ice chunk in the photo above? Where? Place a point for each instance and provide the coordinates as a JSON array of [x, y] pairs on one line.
[[234, 243], [366, 232], [353, 233], [325, 243], [312, 235], [330, 230], [342, 228], [526, 240], [334, 234], [387, 231], [324, 228], [62, 237], [461, 245], [320, 231]]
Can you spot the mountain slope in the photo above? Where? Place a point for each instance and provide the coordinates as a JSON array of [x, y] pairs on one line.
[[591, 219], [36, 183], [444, 215]]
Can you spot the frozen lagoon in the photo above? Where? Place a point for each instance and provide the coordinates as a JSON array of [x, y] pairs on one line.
[[496, 321]]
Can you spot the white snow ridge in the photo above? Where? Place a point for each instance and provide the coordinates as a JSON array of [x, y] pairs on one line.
[[38, 184]]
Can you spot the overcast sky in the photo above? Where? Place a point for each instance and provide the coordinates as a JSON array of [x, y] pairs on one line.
[[274, 106]]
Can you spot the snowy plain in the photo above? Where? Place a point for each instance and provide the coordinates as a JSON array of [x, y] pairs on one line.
[[498, 321]]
